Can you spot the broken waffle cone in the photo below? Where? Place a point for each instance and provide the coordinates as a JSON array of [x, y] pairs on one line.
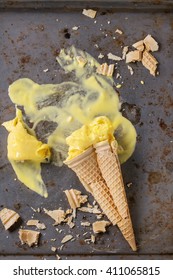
[[86, 168], [8, 217], [109, 165]]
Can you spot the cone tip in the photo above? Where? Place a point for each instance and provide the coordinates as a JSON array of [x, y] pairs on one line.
[[132, 244]]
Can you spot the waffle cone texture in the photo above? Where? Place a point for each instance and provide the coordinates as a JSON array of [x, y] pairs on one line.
[[99, 171]]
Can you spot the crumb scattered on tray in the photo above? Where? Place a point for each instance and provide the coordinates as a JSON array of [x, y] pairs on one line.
[[58, 215], [58, 257], [124, 52], [101, 55], [139, 45], [53, 249], [75, 28], [36, 223], [93, 238], [75, 198], [105, 69], [119, 31], [114, 57], [8, 217], [100, 226], [29, 237], [85, 224], [69, 221], [149, 62], [151, 44], [144, 47], [93, 210], [130, 69], [89, 13], [129, 184], [66, 238], [133, 56]]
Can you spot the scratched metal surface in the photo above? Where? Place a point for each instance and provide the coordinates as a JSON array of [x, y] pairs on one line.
[[29, 43]]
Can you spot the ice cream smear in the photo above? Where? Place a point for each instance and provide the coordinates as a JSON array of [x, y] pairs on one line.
[[68, 117]]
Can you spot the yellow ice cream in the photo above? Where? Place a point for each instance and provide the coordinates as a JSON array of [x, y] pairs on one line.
[[26, 153], [98, 130], [22, 145]]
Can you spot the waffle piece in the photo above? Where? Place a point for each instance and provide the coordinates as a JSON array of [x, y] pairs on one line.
[[105, 69], [86, 168], [151, 44], [111, 171], [149, 62], [133, 56], [8, 217], [29, 237], [139, 45], [75, 198]]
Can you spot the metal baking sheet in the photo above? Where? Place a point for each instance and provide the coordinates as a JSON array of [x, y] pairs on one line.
[[31, 33]]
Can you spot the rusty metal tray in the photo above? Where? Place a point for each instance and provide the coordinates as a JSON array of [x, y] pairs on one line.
[[31, 32]]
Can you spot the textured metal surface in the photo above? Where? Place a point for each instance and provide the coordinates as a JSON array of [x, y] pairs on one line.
[[30, 40]]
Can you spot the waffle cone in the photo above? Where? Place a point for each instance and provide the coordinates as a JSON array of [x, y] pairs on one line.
[[109, 165], [86, 168]]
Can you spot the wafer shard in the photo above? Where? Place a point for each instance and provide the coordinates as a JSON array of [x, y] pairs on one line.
[[75, 198], [29, 237], [89, 13], [151, 44], [139, 45], [8, 217], [149, 62], [105, 69], [133, 56], [58, 215], [100, 226]]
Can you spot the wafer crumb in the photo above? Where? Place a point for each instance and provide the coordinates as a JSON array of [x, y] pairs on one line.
[[75, 28], [139, 45], [124, 52], [58, 215], [133, 56], [93, 238], [94, 210], [8, 217], [149, 62], [75, 198], [85, 224], [119, 31], [36, 223], [58, 257], [100, 55], [29, 237], [151, 44], [89, 13], [66, 238], [114, 57], [105, 69], [130, 69], [100, 226], [53, 249]]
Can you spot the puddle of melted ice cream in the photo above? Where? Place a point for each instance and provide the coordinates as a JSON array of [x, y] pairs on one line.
[[55, 111]]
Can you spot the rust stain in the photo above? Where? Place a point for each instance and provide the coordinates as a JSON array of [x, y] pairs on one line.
[[25, 59], [154, 177]]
